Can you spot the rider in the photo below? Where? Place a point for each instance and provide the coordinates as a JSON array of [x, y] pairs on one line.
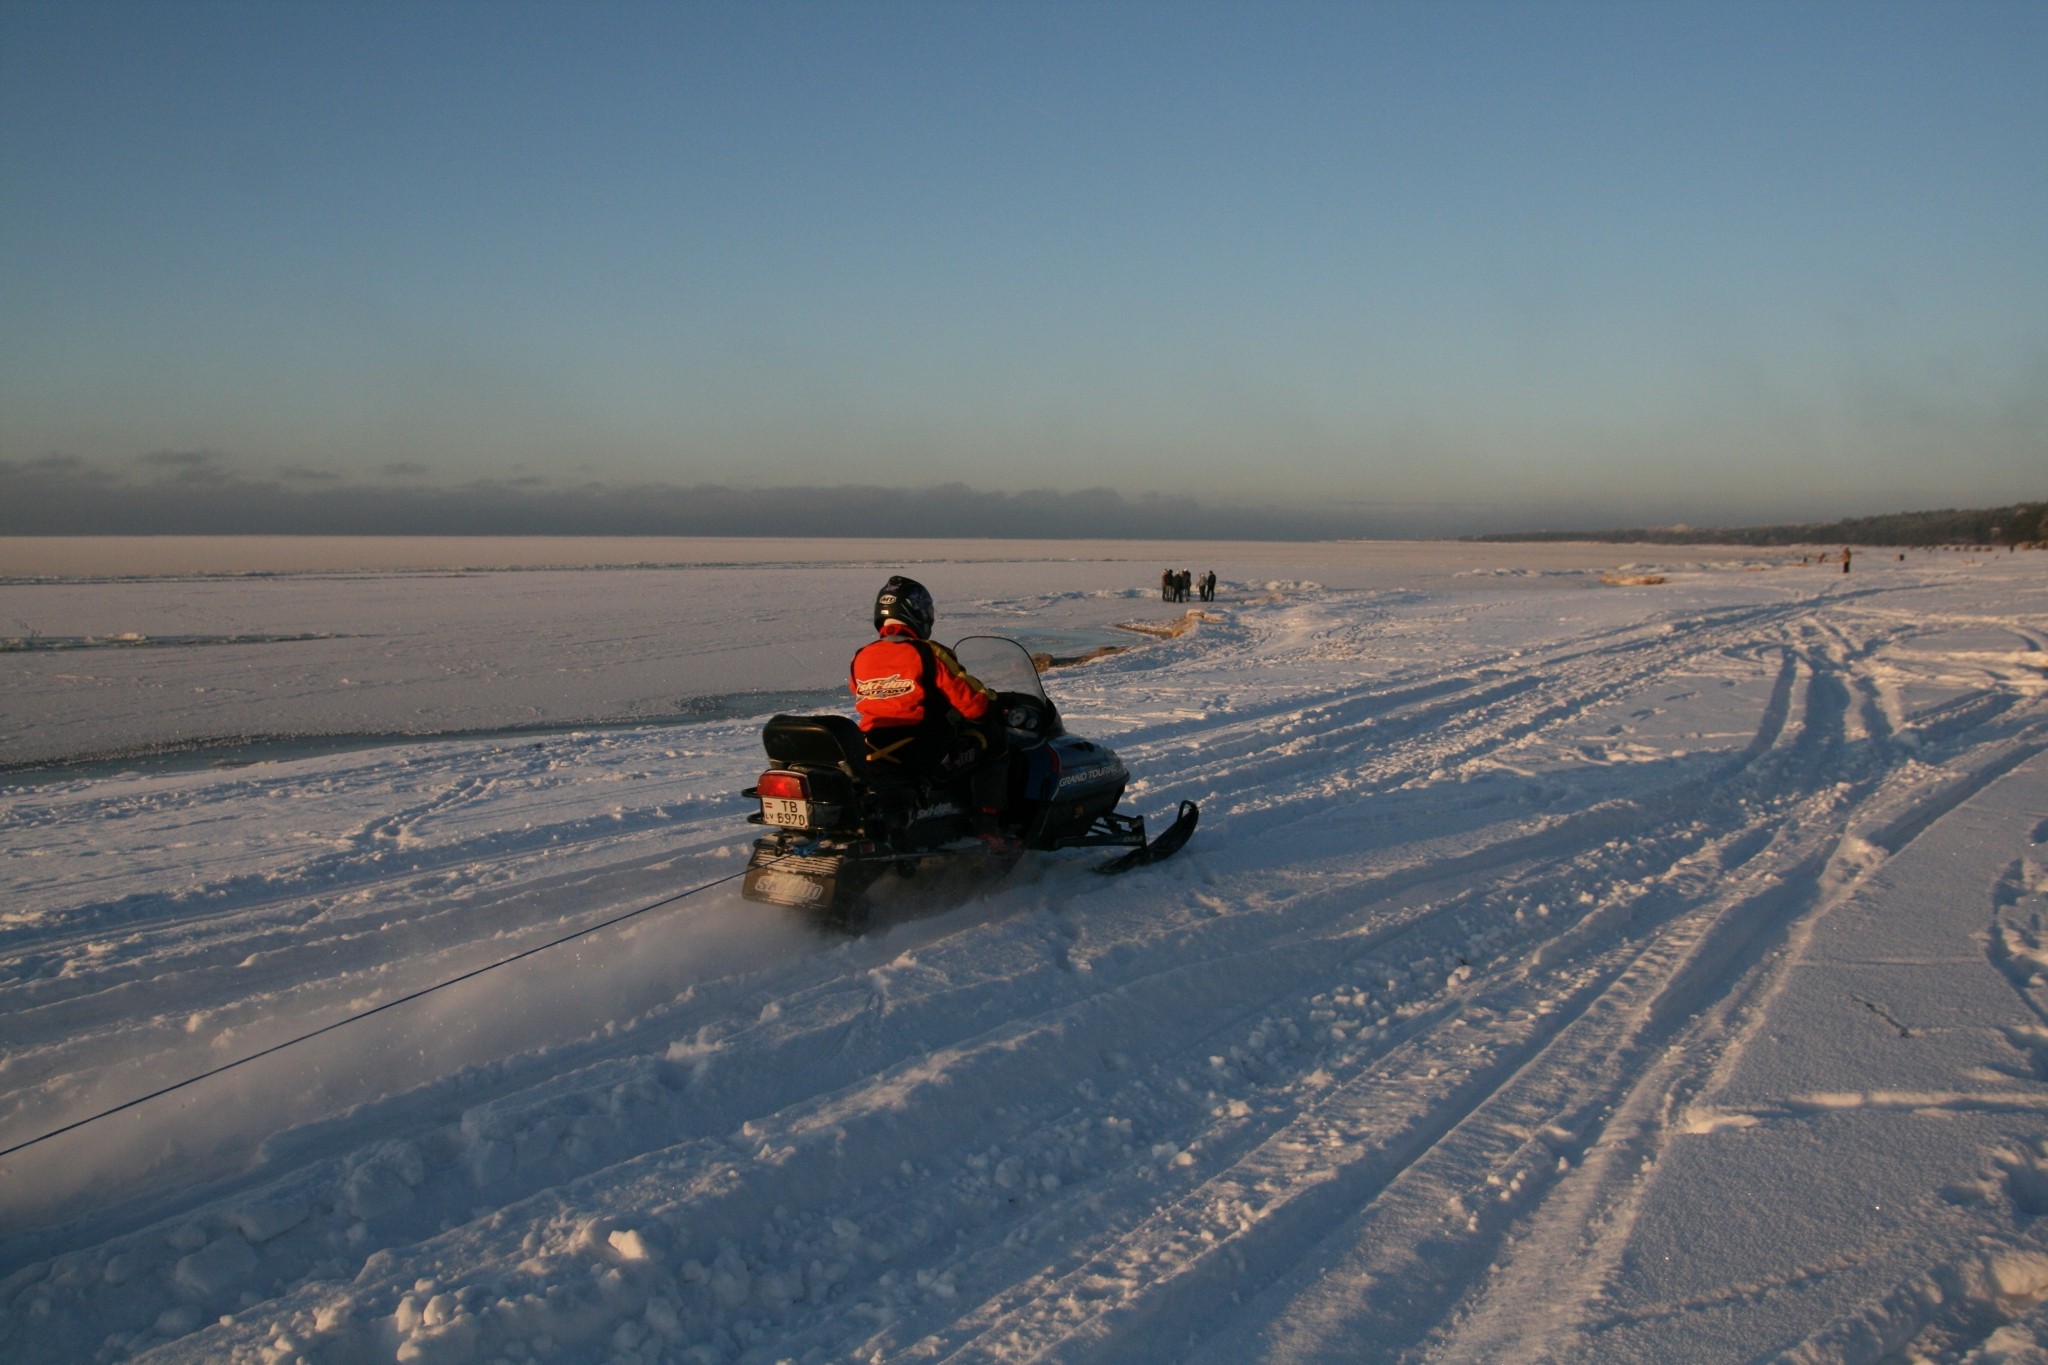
[[920, 708]]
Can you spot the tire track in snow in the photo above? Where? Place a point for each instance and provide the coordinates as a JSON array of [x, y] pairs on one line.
[[1083, 1313], [1466, 726], [44, 976], [365, 866], [1575, 1241], [188, 1011], [1090, 1311]]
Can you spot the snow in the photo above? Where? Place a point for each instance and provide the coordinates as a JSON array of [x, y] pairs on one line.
[[1564, 969]]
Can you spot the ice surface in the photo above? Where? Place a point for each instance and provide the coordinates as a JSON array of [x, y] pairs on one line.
[[1561, 970], [119, 646]]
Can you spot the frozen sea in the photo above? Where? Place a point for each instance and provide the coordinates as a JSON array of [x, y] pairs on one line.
[[1587, 953]]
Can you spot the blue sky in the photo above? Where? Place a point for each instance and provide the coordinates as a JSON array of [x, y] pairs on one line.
[[1474, 265]]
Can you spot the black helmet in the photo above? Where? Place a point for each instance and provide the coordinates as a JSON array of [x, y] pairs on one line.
[[906, 600]]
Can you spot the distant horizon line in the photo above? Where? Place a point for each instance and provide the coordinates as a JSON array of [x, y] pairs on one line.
[[196, 493], [202, 494]]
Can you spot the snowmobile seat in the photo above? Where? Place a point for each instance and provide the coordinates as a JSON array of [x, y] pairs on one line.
[[817, 741]]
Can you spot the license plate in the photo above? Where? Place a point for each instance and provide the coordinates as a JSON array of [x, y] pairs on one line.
[[786, 811], [786, 888]]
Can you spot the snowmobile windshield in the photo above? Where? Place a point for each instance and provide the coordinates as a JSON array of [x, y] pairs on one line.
[[1002, 665]]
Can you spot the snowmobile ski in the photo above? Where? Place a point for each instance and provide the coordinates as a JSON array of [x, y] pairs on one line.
[[1164, 846]]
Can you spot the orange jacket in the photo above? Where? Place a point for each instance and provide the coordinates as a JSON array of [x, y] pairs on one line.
[[894, 678]]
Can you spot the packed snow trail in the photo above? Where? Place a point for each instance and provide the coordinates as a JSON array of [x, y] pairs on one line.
[[1502, 905]]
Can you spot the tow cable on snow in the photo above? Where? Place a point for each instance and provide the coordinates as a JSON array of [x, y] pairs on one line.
[[377, 1009]]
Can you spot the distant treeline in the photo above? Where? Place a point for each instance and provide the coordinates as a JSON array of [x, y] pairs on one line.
[[2019, 523], [200, 497]]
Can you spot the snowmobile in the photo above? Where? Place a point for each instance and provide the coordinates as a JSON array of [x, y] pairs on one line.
[[841, 817]]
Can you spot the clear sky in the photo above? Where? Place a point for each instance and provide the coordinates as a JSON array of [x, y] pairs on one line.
[[1506, 264]]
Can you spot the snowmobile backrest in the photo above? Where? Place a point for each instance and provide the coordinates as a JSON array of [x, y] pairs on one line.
[[818, 741]]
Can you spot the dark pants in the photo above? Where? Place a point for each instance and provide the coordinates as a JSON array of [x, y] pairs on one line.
[[943, 752]]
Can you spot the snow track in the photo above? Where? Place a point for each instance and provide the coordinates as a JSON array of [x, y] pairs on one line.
[[1502, 907]]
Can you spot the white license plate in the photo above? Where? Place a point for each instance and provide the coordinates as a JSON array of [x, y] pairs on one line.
[[787, 889], [786, 811]]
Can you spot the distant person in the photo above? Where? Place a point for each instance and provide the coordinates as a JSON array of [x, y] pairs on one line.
[[1209, 586], [1166, 585], [1845, 559]]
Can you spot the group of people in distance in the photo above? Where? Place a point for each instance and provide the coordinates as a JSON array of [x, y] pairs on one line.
[[1174, 585], [1828, 559]]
